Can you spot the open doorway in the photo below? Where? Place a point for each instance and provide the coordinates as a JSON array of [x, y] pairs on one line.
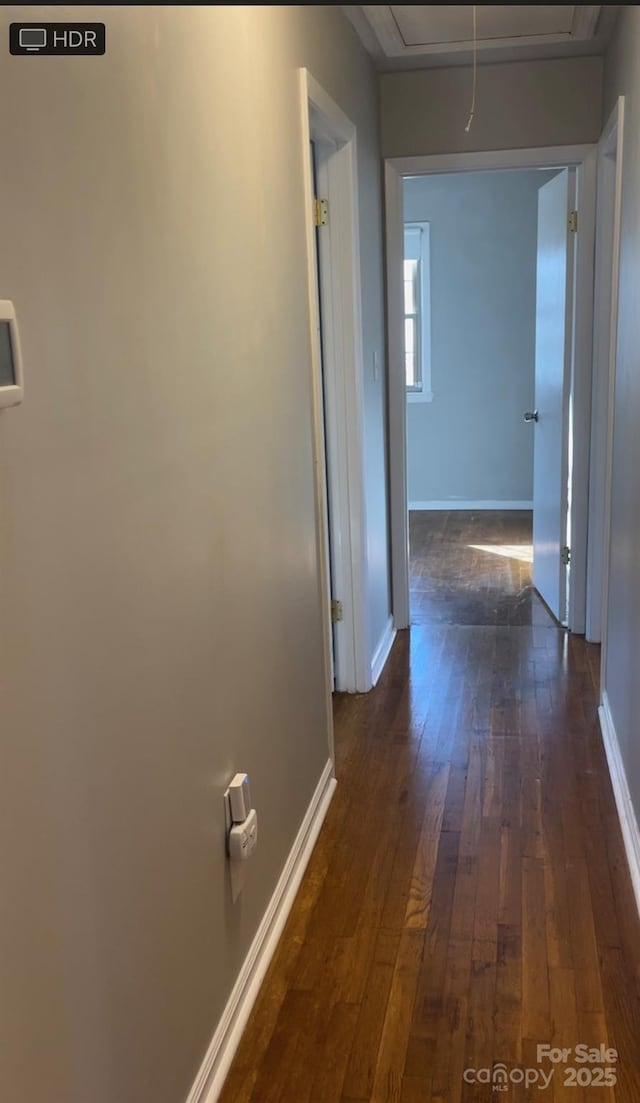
[[506, 248], [470, 264]]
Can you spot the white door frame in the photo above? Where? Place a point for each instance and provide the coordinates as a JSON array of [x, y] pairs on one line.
[[605, 324], [338, 419], [584, 158]]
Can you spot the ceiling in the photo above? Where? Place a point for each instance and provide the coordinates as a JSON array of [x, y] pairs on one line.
[[417, 36]]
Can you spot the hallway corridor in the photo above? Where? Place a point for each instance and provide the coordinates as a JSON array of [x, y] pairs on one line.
[[468, 898]]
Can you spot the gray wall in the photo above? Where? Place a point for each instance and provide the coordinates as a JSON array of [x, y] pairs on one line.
[[622, 76], [470, 442], [519, 104], [159, 596]]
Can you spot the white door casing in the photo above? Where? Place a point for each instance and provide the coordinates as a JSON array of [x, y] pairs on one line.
[[607, 262], [341, 433], [583, 158]]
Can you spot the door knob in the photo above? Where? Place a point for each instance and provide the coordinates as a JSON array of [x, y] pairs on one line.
[[531, 415]]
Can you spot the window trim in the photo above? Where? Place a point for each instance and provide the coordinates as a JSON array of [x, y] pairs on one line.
[[425, 394]]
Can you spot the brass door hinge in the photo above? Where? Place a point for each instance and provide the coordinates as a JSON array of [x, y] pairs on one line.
[[573, 222], [565, 555], [320, 212], [336, 611]]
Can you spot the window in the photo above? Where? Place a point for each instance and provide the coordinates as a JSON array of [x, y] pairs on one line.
[[411, 323], [417, 312]]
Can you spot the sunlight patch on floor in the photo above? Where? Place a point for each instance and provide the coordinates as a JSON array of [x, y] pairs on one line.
[[522, 552]]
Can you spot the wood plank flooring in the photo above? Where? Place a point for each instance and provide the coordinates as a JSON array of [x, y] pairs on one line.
[[468, 898], [455, 580]]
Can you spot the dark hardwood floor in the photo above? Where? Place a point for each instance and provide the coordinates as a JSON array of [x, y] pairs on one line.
[[472, 568], [468, 898]]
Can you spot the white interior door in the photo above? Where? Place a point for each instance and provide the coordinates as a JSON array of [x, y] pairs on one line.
[[551, 420], [329, 519]]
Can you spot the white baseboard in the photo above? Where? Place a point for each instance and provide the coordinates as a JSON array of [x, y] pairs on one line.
[[210, 1079], [626, 813], [381, 653], [457, 503]]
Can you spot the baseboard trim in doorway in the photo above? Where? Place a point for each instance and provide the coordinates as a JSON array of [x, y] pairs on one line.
[[211, 1077], [626, 813], [456, 503], [381, 653]]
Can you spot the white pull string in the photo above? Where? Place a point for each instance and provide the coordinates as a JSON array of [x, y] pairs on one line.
[[475, 53]]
